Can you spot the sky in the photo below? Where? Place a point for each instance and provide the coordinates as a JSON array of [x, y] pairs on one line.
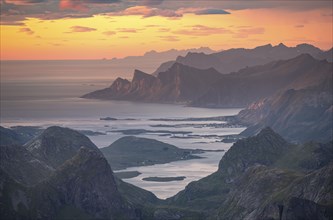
[[96, 29]]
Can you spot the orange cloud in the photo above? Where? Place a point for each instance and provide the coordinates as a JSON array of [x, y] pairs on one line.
[[27, 31], [109, 33], [128, 30], [169, 38], [201, 30], [163, 29], [82, 29], [246, 32]]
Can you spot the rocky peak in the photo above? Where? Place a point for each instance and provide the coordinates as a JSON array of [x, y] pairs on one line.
[[57, 144], [84, 183], [139, 75], [281, 45], [267, 46], [307, 48], [264, 149], [120, 82], [269, 135]]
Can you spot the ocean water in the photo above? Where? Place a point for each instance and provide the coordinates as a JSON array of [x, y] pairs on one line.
[[27, 98]]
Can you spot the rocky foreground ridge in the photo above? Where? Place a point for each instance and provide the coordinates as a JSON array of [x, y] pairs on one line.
[[260, 177]]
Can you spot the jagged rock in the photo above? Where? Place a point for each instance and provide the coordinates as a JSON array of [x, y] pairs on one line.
[[179, 83]]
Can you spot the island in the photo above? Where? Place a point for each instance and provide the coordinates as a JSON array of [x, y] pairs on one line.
[[164, 179]]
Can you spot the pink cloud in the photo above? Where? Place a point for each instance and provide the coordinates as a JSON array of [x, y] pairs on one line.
[[82, 5], [147, 12], [246, 32], [24, 2]]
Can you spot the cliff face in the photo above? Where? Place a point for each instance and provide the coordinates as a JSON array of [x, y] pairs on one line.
[[84, 184], [255, 83], [177, 84], [261, 178], [209, 88], [298, 115], [81, 187]]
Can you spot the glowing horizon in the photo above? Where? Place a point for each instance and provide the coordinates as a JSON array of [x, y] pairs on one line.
[[138, 29]]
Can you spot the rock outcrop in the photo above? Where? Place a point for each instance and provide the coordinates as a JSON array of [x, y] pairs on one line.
[[178, 84], [57, 144], [261, 178], [298, 115], [84, 185]]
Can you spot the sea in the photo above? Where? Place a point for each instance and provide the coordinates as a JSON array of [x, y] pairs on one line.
[[47, 93]]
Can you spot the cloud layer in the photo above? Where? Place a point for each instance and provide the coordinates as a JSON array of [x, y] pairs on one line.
[[14, 12], [82, 29]]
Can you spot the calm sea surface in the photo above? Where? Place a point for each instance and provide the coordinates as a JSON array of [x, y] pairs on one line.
[[47, 93]]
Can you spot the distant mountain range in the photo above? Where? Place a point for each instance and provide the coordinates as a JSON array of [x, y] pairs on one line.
[[261, 177], [253, 83], [179, 84], [292, 95], [299, 115], [209, 88], [152, 59], [232, 60]]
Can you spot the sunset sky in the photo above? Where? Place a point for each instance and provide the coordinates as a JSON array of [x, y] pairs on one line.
[[95, 29]]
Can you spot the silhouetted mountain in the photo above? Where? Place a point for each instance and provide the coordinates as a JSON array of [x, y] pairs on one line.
[[251, 84], [299, 115], [133, 151], [178, 84], [326, 55], [232, 60], [56, 145], [208, 88], [152, 59]]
